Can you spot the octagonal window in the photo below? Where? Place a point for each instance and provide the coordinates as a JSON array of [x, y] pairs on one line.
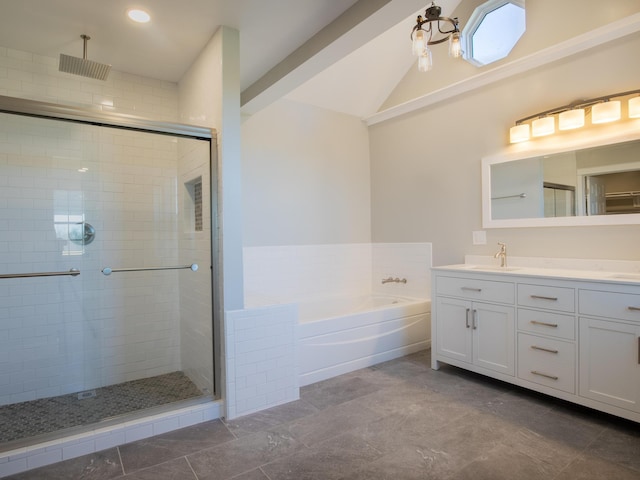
[[493, 30]]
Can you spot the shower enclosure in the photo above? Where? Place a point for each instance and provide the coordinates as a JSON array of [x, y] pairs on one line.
[[105, 269]]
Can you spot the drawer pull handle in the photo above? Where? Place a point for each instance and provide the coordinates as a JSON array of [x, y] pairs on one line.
[[544, 324], [552, 377], [470, 289], [544, 349], [474, 319], [637, 309], [541, 297], [466, 318]]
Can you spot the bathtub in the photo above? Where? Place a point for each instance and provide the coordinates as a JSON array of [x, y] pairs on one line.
[[339, 335]]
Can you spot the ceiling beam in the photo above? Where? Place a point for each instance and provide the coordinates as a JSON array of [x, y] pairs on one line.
[[362, 22]]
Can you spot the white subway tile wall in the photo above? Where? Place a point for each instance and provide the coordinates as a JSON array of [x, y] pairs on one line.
[[261, 361], [35, 77]]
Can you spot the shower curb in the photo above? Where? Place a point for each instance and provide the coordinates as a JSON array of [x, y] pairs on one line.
[[39, 455]]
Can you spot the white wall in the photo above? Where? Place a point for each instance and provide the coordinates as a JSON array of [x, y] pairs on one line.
[[433, 193], [305, 177]]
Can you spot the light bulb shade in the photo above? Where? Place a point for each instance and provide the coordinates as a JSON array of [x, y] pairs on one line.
[[634, 107], [419, 44], [571, 119], [424, 61], [605, 112], [455, 45], [543, 126], [519, 133]]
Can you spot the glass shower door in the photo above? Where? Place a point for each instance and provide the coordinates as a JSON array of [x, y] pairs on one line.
[[80, 348]]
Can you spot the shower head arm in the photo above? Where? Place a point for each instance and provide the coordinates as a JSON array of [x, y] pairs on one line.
[[85, 38]]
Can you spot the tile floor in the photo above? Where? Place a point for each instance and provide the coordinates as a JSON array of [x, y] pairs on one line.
[[400, 421]]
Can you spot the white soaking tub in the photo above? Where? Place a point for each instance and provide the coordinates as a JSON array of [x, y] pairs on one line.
[[339, 335]]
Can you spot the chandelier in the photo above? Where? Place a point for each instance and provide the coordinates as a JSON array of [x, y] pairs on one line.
[[429, 31]]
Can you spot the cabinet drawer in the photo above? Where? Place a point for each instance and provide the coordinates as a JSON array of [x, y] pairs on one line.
[[547, 323], [476, 289], [561, 299], [547, 362], [623, 306]]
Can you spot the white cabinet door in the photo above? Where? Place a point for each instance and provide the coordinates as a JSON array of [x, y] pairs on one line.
[[453, 325], [610, 362], [476, 332], [493, 337]]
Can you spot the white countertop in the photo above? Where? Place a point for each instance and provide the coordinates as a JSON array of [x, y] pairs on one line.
[[631, 278]]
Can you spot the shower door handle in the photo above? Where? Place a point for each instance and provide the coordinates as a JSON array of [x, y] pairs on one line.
[[108, 271], [74, 272]]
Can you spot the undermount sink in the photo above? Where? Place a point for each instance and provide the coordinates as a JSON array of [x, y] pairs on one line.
[[626, 276], [493, 268]]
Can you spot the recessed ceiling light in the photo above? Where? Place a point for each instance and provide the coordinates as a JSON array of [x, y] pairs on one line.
[[139, 16]]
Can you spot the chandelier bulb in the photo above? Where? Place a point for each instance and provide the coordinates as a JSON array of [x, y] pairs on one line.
[[455, 45], [419, 42], [425, 63]]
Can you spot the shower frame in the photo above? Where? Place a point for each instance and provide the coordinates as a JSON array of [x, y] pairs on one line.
[[33, 108]]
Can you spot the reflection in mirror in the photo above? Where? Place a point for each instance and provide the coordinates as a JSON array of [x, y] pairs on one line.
[[598, 181]]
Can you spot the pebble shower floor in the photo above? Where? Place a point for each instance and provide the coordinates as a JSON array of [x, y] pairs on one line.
[[38, 417]]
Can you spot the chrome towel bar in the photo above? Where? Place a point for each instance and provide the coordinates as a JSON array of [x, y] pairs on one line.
[[109, 271], [74, 272]]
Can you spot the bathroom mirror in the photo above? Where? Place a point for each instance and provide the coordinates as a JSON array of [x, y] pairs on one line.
[[596, 183]]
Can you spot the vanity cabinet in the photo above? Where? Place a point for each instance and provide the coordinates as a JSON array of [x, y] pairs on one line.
[[575, 338], [610, 348], [477, 323]]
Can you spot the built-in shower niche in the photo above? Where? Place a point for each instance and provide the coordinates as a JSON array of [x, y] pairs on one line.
[[193, 206]]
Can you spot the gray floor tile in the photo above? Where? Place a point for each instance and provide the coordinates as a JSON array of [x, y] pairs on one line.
[[618, 446], [256, 474], [331, 422], [329, 460], [337, 390], [97, 466], [178, 443], [590, 468], [244, 454], [568, 428], [177, 469], [270, 418]]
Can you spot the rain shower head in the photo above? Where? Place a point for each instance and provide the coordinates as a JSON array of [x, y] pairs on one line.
[[83, 66]]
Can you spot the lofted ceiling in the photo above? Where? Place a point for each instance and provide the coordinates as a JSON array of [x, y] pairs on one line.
[[356, 79]]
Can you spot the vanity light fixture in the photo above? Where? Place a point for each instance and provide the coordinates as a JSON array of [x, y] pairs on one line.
[[602, 109], [570, 119], [422, 36], [543, 126], [634, 107]]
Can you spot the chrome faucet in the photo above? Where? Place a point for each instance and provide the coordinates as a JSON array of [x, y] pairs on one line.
[[394, 280], [502, 254]]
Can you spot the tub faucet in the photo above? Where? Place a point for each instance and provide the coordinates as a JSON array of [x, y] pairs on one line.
[[502, 254], [393, 280]]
